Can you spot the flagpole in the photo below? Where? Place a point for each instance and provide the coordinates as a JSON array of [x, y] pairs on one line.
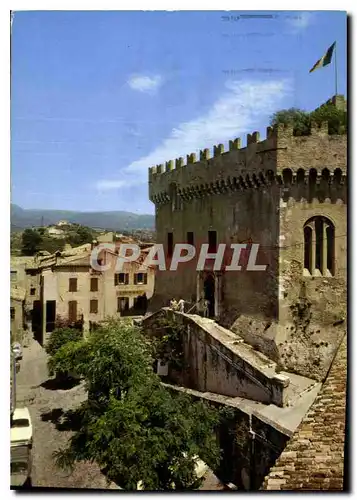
[[336, 68]]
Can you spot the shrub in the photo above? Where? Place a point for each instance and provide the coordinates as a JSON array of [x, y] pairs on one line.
[[61, 336]]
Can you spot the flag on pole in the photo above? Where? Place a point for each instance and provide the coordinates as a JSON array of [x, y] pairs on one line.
[[325, 60]]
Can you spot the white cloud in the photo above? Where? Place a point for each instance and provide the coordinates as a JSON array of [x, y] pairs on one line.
[[244, 107], [300, 20], [144, 83], [114, 184]]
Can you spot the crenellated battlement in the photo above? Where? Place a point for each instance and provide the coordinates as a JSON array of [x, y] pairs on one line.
[[259, 162]]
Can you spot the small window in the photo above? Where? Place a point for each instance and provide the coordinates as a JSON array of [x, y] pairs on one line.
[[140, 279], [190, 238], [212, 241], [94, 284], [72, 284], [170, 244], [13, 275], [94, 306], [32, 291], [123, 304], [121, 279], [12, 312]]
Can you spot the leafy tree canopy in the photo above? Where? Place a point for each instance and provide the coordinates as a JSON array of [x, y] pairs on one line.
[[302, 120], [31, 242], [336, 118], [61, 336], [80, 235], [131, 425]]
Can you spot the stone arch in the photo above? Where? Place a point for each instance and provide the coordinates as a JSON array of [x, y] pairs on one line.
[[325, 175], [287, 176], [248, 180], [300, 176], [262, 178], [270, 176], [337, 176], [312, 176]]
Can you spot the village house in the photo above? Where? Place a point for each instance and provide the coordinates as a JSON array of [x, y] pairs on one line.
[[20, 291], [55, 232], [63, 287]]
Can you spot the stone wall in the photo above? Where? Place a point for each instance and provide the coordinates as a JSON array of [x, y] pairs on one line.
[[216, 361], [314, 458], [230, 215], [17, 323], [249, 446]]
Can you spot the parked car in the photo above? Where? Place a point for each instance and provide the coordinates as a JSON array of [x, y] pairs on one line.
[[21, 446]]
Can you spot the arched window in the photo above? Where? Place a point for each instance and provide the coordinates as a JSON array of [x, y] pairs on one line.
[[319, 247]]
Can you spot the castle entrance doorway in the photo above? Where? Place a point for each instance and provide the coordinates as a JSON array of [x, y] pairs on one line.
[[209, 294]]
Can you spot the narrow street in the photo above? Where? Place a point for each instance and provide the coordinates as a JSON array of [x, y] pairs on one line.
[[46, 404]]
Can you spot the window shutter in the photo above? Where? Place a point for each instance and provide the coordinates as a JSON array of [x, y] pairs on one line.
[[72, 284], [127, 279], [145, 279], [72, 310]]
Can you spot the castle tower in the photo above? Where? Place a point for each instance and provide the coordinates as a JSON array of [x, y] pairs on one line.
[[289, 195]]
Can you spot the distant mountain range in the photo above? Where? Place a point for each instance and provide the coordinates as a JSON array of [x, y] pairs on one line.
[[115, 221]]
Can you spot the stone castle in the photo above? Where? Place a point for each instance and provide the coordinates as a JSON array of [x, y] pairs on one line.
[[274, 347], [289, 195]]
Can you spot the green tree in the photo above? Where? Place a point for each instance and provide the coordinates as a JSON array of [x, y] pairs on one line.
[[31, 242], [335, 117], [131, 426], [80, 235], [61, 336], [51, 245], [297, 118], [301, 120]]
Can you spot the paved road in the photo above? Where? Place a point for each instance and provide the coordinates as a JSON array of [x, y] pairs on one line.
[[46, 405]]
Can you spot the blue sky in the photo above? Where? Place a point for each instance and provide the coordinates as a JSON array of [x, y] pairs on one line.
[[98, 97]]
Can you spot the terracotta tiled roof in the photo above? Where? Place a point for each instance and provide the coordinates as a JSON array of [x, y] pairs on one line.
[[314, 457], [74, 260]]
